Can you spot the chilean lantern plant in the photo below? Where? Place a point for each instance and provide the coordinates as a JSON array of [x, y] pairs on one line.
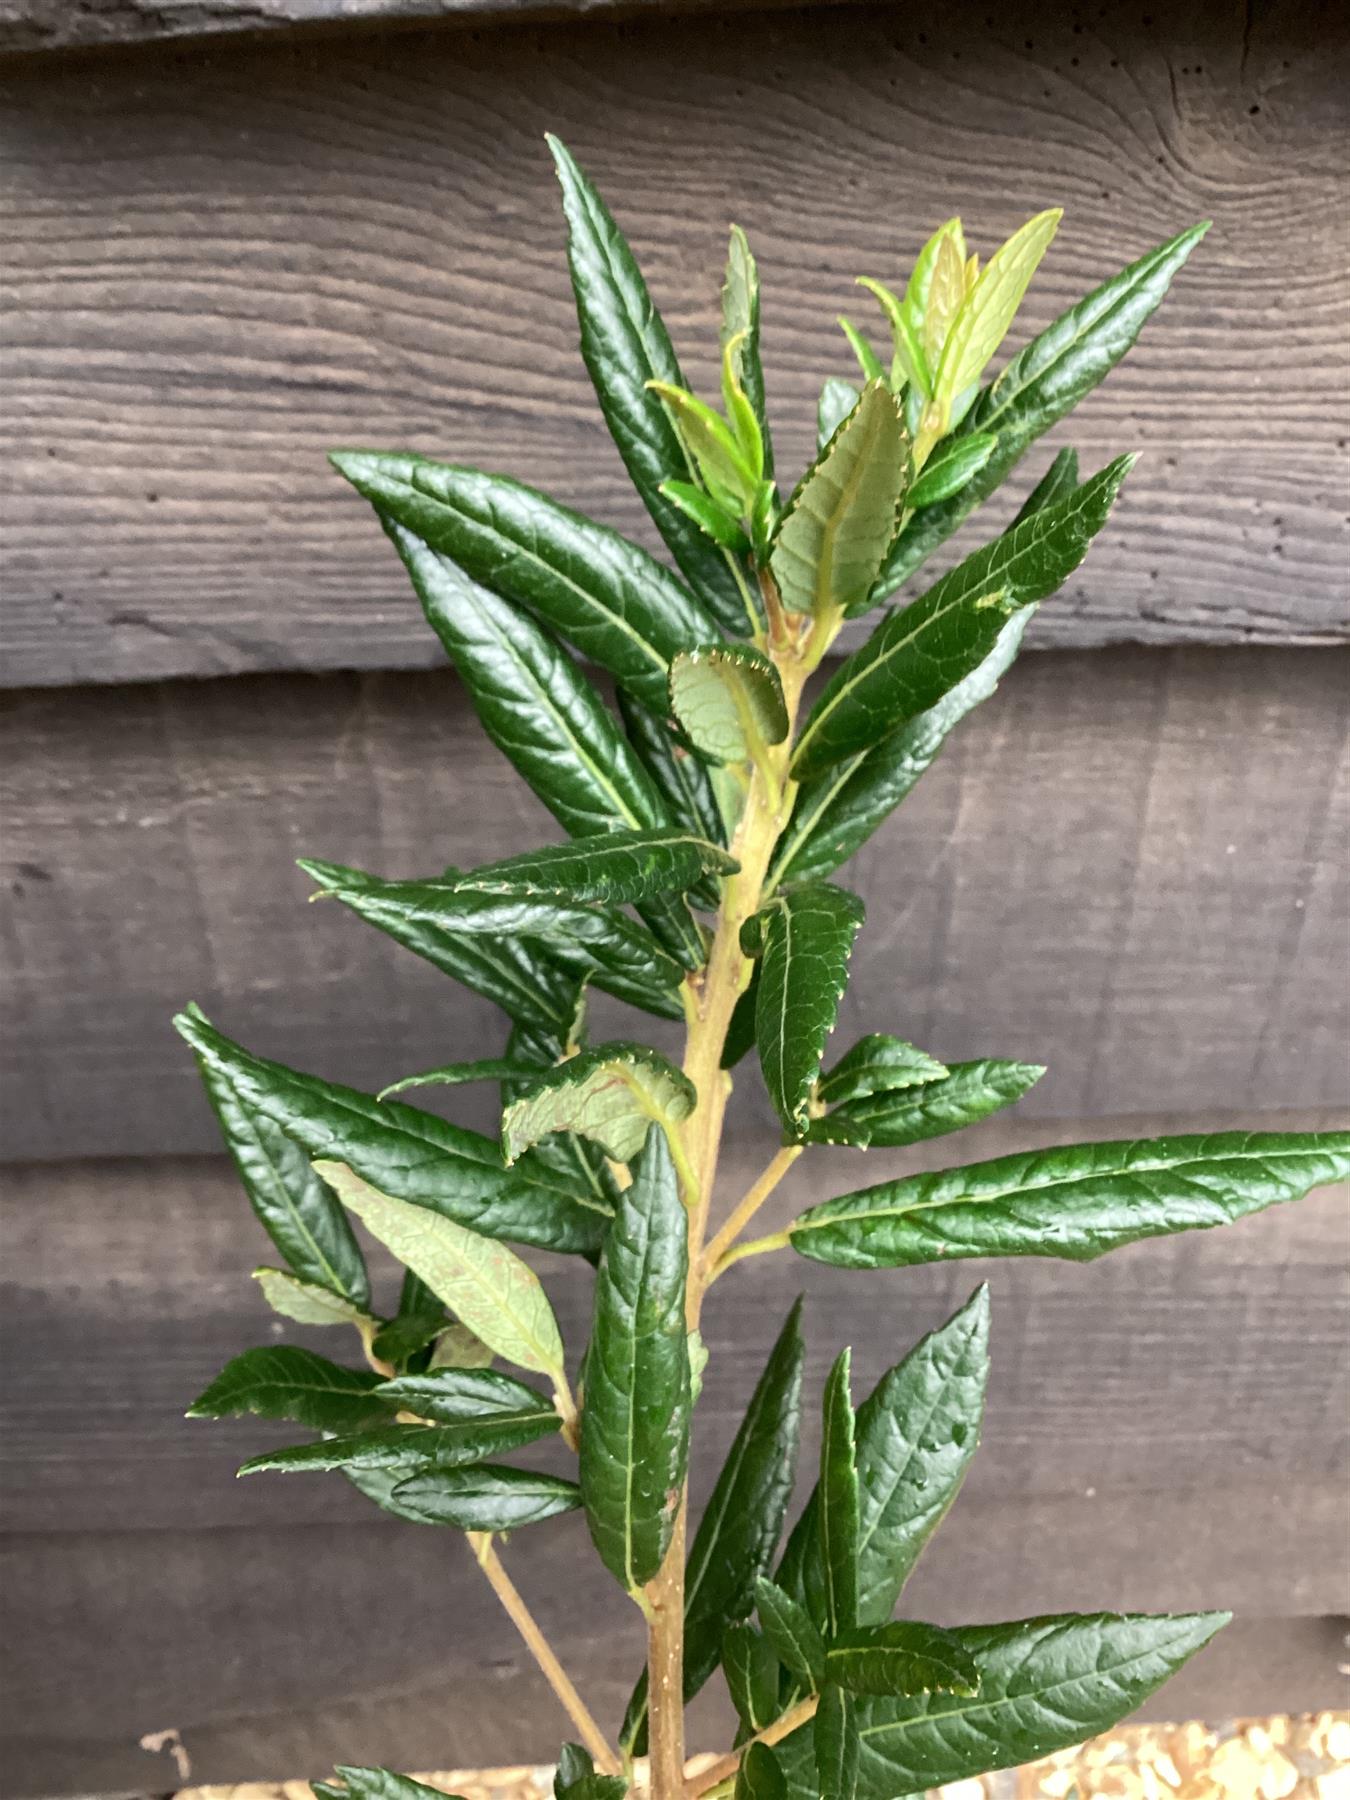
[[705, 816]]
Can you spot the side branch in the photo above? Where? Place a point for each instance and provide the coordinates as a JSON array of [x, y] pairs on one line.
[[542, 1651], [726, 1766], [747, 1207]]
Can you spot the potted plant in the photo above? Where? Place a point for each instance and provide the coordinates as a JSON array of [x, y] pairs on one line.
[[705, 818]]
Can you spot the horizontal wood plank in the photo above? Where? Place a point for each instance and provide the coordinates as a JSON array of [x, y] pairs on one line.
[[1126, 867], [220, 263]]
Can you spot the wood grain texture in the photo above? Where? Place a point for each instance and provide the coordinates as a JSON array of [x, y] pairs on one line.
[[1128, 867], [221, 263], [1191, 1452]]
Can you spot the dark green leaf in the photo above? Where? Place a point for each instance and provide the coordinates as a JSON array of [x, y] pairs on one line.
[[380, 1486], [615, 604], [412, 1155], [497, 1295], [1075, 1202], [533, 701], [1044, 1684], [447, 1396], [623, 866], [837, 811], [916, 1434], [610, 1094], [900, 1658], [729, 700], [1057, 483], [1040, 385], [741, 1030], [410, 1448], [574, 1764], [599, 940], [950, 467], [843, 517], [837, 1502], [598, 1787], [917, 655], [485, 1497], [285, 1382], [759, 1776], [742, 1521], [835, 1743], [837, 400], [751, 1671], [293, 1206], [807, 934], [740, 320], [625, 345], [379, 1784], [792, 1632], [488, 1068], [635, 1422], [971, 1091], [877, 1064]]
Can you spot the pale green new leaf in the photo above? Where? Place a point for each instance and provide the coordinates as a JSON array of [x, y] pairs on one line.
[[840, 522], [487, 1286], [989, 309], [610, 1094], [740, 324], [729, 700]]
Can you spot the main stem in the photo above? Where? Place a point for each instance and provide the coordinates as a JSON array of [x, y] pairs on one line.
[[724, 979]]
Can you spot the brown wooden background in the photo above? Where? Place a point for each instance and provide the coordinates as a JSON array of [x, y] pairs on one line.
[[227, 252]]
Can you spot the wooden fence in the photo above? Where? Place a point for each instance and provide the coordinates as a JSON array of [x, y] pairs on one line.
[[234, 241]]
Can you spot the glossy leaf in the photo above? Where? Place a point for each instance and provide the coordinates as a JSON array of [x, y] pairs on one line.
[[714, 521], [624, 866], [1075, 1202], [598, 1787], [381, 1485], [1057, 483], [902, 1658], [679, 777], [635, 1422], [792, 1632], [937, 288], [488, 1068], [416, 1325], [533, 701], [837, 400], [487, 1286], [625, 345], [711, 447], [729, 700], [949, 469], [751, 1671], [520, 976], [574, 1764], [740, 326], [759, 1776], [408, 1449], [836, 1746], [838, 810], [412, 1155], [1042, 383], [910, 364], [307, 1302], [916, 1434], [293, 1206], [610, 1094], [841, 520], [598, 940], [448, 1395], [485, 1497], [916, 656], [837, 1502], [991, 305], [378, 1784], [969, 1092], [283, 1381], [808, 935], [741, 1524], [1045, 1684], [877, 1064], [615, 604], [869, 363], [740, 1037]]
